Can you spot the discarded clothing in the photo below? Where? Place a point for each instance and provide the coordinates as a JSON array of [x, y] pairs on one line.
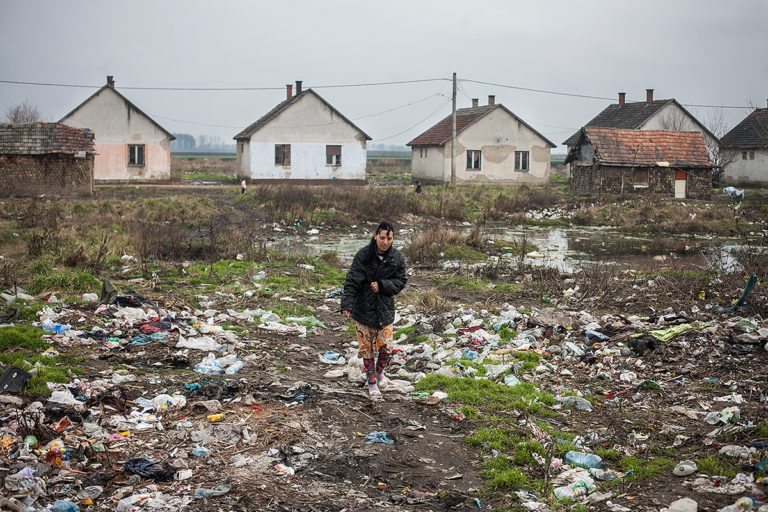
[[148, 469]]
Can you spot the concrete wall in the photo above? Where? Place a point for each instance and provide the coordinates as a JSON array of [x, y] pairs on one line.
[[46, 174], [746, 171], [117, 124], [497, 135], [597, 180], [308, 125], [431, 166]]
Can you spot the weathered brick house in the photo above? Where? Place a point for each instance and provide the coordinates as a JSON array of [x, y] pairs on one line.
[[493, 146], [130, 145], [657, 162], [746, 149], [45, 158]]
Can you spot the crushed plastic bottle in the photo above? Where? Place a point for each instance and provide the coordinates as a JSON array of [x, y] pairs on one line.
[[201, 451], [584, 460], [743, 504], [602, 474], [575, 491], [234, 368]]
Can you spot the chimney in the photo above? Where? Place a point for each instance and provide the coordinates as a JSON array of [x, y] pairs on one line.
[[288, 91], [111, 81], [491, 100], [648, 95], [622, 95], [298, 87], [474, 102]]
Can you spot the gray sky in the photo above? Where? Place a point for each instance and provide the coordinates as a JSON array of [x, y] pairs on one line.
[[697, 51]]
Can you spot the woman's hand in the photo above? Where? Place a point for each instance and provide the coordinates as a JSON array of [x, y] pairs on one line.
[[345, 313], [375, 287]]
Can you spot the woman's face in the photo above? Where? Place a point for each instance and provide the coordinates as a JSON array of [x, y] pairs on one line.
[[383, 240]]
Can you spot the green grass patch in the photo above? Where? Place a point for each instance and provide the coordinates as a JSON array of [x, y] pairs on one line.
[[489, 396], [28, 312], [404, 330], [470, 285], [645, 468], [501, 473], [462, 252], [64, 281], [21, 346], [530, 359], [762, 430], [721, 466]]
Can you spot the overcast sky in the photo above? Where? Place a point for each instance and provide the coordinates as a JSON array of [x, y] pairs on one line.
[[697, 51]]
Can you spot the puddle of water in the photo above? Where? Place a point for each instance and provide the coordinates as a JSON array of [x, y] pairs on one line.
[[565, 249]]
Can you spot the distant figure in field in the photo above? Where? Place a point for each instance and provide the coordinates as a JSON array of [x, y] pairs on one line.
[[242, 186], [418, 188]]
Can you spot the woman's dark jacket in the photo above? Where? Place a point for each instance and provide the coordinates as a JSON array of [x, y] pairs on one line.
[[374, 309]]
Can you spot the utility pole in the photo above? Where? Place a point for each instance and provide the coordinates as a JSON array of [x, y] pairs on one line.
[[453, 134]]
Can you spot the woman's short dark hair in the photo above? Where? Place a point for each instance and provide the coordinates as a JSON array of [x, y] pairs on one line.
[[385, 226]]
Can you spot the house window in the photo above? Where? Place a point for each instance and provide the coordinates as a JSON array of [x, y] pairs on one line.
[[473, 159], [521, 161], [640, 177], [743, 155], [423, 152], [751, 155], [283, 154], [136, 155], [332, 155]]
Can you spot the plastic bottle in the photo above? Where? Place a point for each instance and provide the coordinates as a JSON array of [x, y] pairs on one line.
[[576, 490], [602, 474], [234, 368], [585, 460], [741, 505]]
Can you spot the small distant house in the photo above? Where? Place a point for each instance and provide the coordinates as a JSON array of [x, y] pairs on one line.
[[746, 149], [493, 146], [648, 115], [663, 163], [303, 138], [130, 146], [45, 158]]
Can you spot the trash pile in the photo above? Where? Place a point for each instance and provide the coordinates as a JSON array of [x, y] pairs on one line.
[[175, 407]]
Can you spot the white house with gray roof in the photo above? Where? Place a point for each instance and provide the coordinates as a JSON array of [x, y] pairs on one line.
[[305, 139]]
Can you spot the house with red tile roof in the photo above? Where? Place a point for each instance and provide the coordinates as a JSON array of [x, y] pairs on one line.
[[746, 149], [130, 145], [302, 138], [651, 114], [654, 162], [493, 146]]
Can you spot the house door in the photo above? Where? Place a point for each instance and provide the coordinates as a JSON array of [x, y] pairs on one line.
[[680, 182]]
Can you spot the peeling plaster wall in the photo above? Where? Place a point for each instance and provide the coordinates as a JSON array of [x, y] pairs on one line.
[[739, 170], [498, 135], [308, 126], [115, 125]]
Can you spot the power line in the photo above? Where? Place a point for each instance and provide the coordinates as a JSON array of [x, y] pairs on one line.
[[417, 124], [137, 88], [306, 125], [558, 93]]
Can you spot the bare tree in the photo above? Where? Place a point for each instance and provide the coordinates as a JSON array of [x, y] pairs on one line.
[[22, 113], [675, 121], [720, 156]]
